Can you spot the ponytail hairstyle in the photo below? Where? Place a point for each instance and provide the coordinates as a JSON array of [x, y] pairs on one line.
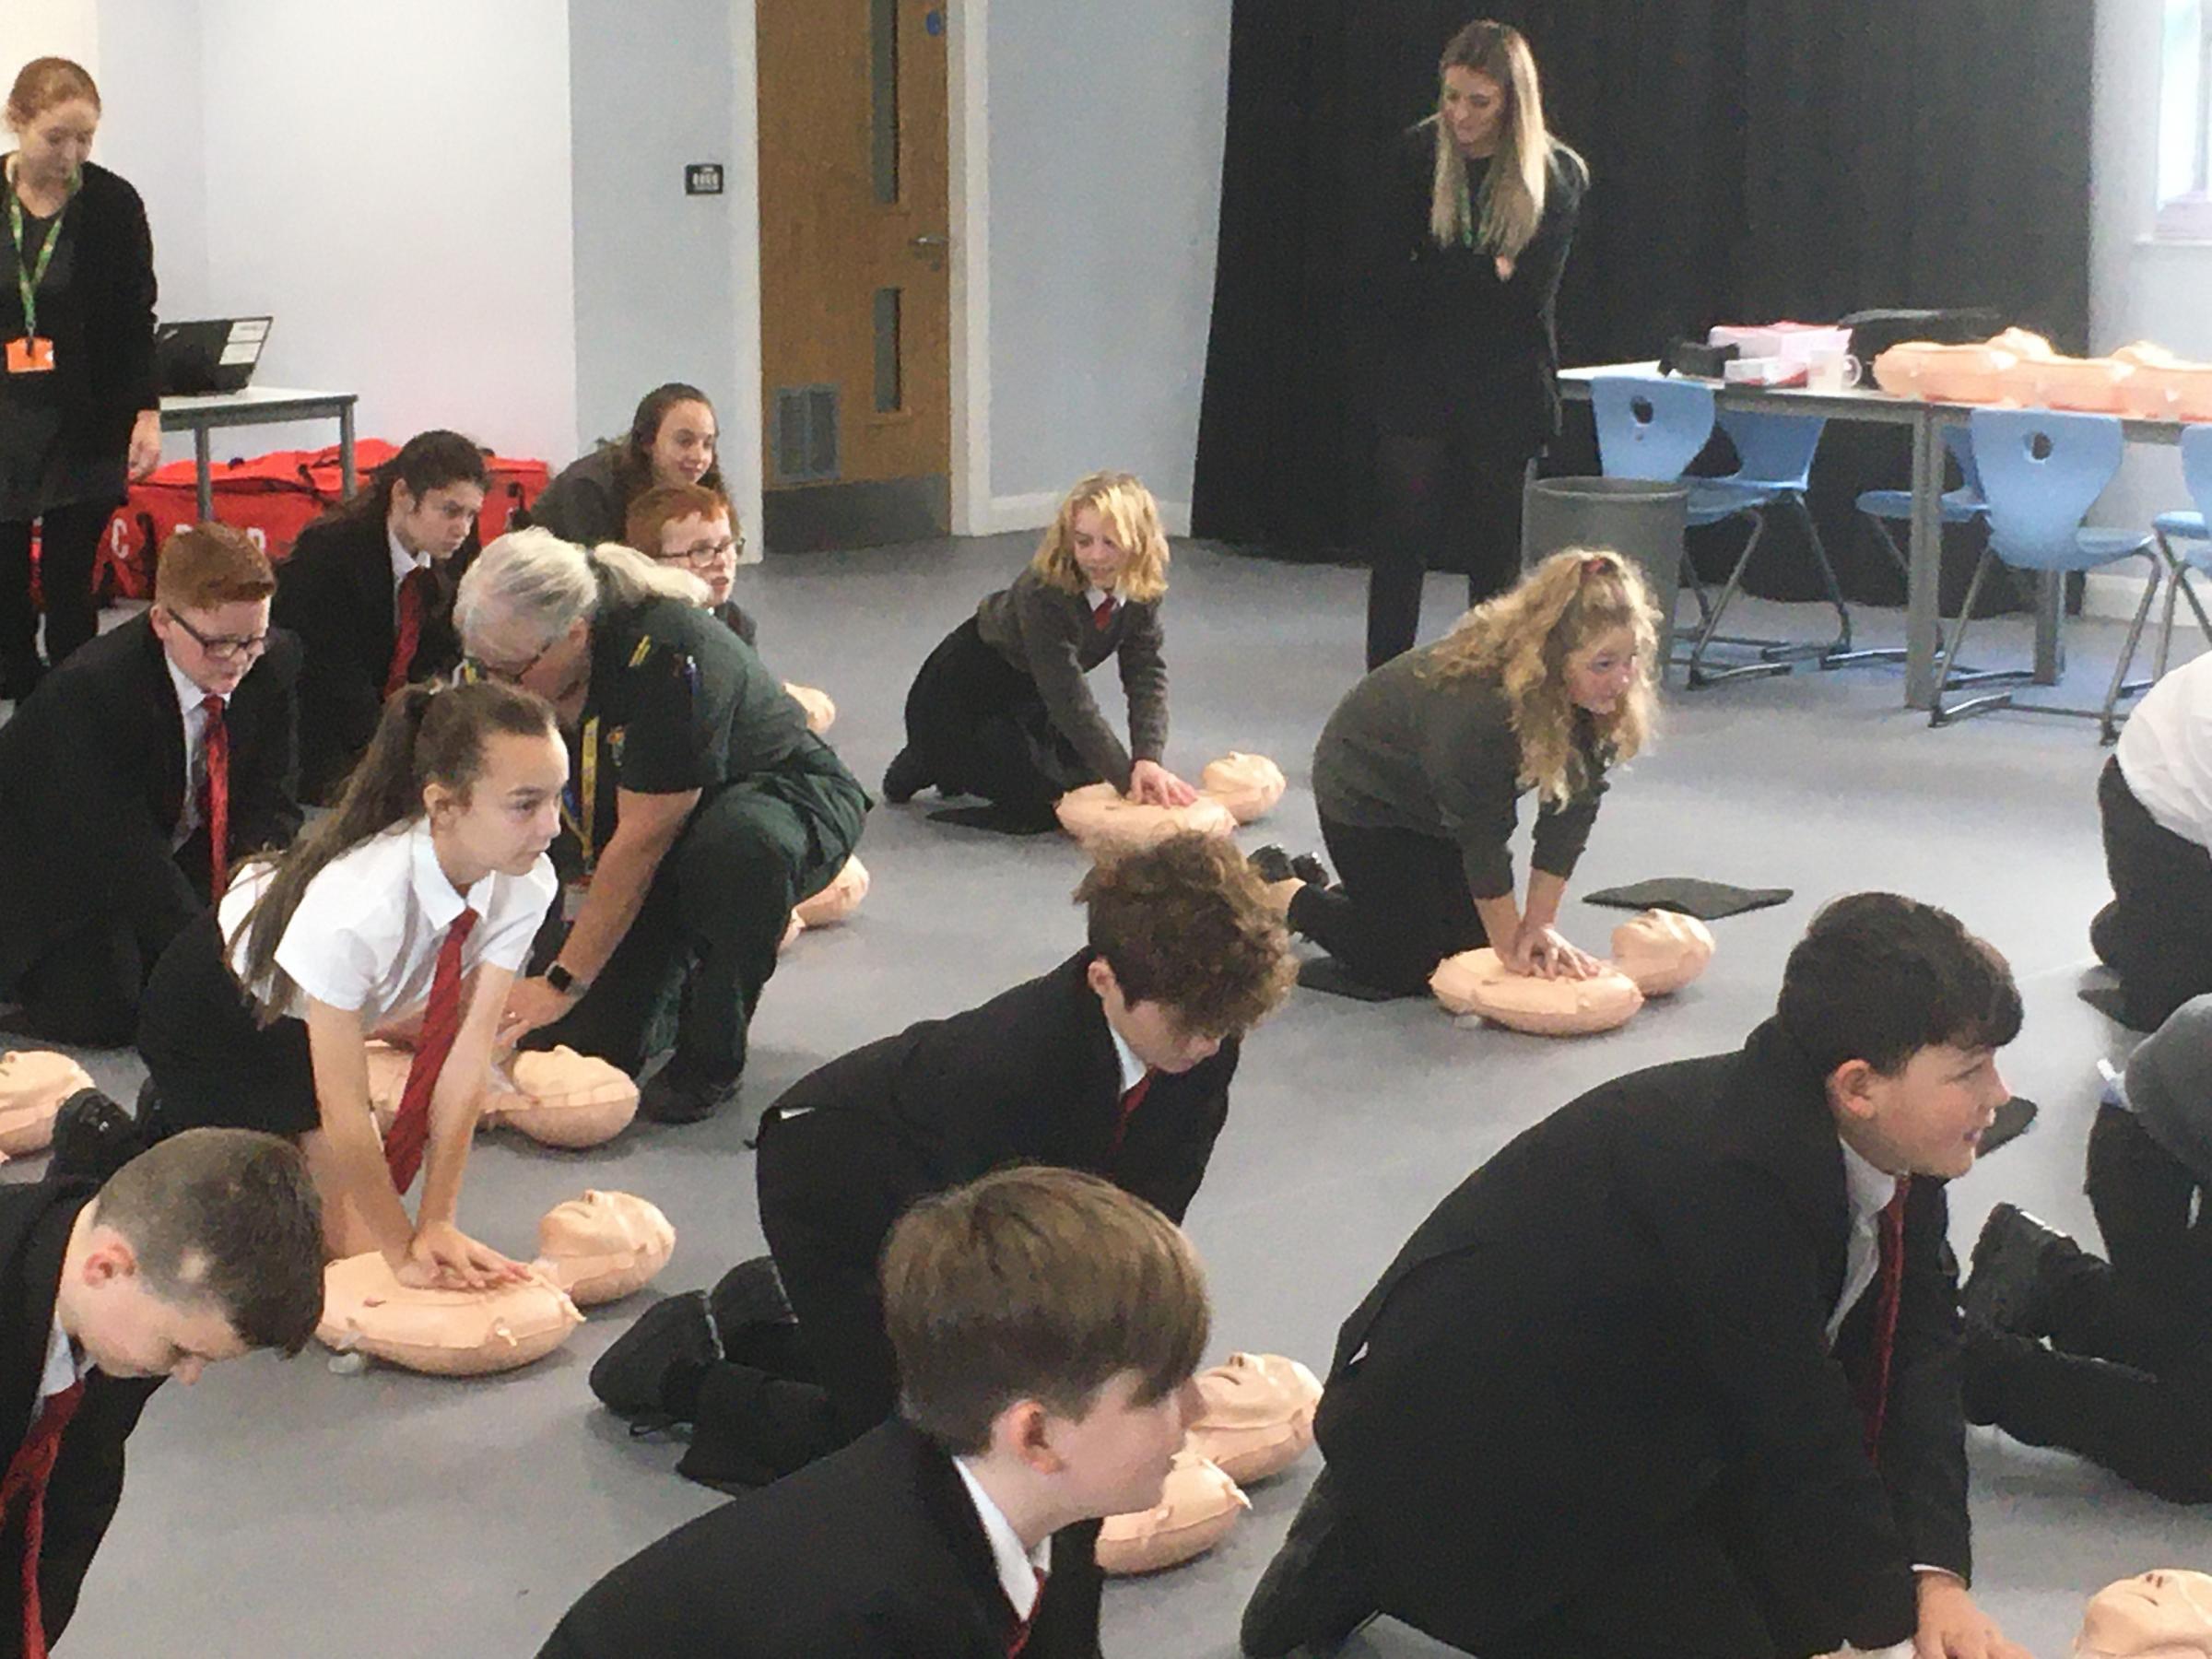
[[541, 586], [1504, 219], [428, 461], [426, 735], [1132, 517], [633, 452], [1524, 637]]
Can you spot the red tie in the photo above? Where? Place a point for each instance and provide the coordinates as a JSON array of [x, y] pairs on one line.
[[1874, 1389], [414, 600], [1102, 614], [440, 1024], [28, 1473], [215, 798], [1019, 1637], [1130, 1102]]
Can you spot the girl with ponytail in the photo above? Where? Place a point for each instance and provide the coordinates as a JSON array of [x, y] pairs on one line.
[[403, 913], [1417, 773]]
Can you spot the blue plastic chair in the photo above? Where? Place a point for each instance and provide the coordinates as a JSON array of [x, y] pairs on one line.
[[1961, 506], [2189, 529], [2042, 472]]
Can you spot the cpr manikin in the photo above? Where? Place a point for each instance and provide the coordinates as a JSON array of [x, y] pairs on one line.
[[442, 1332], [1109, 826], [1198, 1505], [602, 1246], [2161, 1615], [1661, 950], [820, 712], [563, 1099], [1249, 785], [1478, 982], [1258, 1416], [33, 1084]]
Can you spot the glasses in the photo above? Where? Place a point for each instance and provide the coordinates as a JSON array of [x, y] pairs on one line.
[[219, 647], [706, 555], [475, 668]]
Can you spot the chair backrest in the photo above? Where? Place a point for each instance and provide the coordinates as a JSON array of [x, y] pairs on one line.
[[2197, 466], [1650, 428], [1773, 449], [1959, 440], [2042, 471]]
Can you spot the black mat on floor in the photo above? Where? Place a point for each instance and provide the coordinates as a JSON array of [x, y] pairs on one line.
[[996, 819], [2015, 1118], [1327, 974], [1707, 901]]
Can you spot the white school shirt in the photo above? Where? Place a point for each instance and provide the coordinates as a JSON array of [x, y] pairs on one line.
[[404, 565], [368, 930], [1019, 1570], [189, 698], [1869, 1190], [2165, 752], [61, 1372], [1132, 1069]]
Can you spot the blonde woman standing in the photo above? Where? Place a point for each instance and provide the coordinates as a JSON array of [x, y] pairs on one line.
[[1458, 349], [1419, 772]]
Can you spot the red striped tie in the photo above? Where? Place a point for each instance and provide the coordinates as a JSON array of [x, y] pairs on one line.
[[28, 1473], [1130, 1102], [214, 793], [440, 1024], [1019, 1637], [1874, 1389], [414, 601]]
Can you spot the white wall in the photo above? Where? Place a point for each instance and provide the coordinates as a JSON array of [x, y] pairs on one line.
[[152, 132], [1105, 192], [32, 28]]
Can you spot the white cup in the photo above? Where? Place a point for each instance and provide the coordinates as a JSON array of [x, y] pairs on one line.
[[1831, 372]]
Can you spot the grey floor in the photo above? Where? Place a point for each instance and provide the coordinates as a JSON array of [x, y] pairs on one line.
[[282, 1508]]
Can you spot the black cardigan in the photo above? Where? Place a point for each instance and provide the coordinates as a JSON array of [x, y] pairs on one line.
[[102, 329]]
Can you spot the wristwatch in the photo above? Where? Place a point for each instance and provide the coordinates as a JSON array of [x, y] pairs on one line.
[[562, 981]]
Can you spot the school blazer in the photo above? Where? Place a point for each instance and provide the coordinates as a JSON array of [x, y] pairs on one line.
[[875, 1552], [35, 1219], [336, 593], [92, 786], [1623, 1309]]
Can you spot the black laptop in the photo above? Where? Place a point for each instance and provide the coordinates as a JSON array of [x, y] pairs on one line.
[[217, 355]]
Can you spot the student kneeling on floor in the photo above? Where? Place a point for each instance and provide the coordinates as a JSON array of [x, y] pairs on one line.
[[702, 810]]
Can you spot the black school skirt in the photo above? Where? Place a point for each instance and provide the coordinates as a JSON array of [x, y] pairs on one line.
[[211, 1062]]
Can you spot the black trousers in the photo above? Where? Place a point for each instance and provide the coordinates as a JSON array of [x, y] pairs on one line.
[[2126, 1380], [2157, 933], [1449, 502], [1399, 907], [705, 939], [84, 986], [211, 1061], [980, 727], [68, 548]]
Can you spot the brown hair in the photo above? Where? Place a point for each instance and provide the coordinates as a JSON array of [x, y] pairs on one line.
[[1132, 517], [663, 504], [1523, 638], [202, 565], [1504, 218], [45, 82], [227, 1217], [427, 736], [633, 452], [1185, 922], [1036, 1284]]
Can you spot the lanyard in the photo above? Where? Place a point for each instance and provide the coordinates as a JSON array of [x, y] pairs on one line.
[[28, 276], [581, 805]]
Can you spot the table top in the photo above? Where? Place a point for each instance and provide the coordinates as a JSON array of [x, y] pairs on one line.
[[256, 403]]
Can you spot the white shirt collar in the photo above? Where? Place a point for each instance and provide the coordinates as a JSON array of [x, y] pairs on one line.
[[404, 564], [1869, 1189], [439, 903], [62, 1370], [1019, 1570], [189, 695], [1132, 1069], [1093, 597]]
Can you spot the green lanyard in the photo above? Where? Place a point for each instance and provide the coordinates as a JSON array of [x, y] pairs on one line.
[[28, 276]]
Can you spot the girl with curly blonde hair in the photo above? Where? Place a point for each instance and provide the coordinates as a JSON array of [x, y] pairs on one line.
[[1417, 773], [1000, 709]]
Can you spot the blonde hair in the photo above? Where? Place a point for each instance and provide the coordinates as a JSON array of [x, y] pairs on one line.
[[1525, 637], [1505, 221], [533, 580], [1133, 518]]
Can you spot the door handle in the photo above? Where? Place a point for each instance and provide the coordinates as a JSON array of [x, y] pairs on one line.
[[930, 243]]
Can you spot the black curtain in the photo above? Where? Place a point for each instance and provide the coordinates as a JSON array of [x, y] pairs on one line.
[[1750, 159]]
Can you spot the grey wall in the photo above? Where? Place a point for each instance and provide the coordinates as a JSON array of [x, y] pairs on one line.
[[150, 132], [1105, 175]]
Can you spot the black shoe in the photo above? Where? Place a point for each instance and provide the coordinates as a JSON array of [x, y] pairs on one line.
[[2011, 1259], [93, 1137], [1988, 1360], [906, 777], [1310, 870], [1314, 1593], [673, 1095], [750, 1294], [1271, 864], [631, 1377]]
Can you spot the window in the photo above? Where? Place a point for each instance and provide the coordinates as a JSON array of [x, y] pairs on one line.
[[2185, 121]]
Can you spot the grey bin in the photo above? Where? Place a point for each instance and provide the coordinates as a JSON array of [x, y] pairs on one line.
[[1639, 518]]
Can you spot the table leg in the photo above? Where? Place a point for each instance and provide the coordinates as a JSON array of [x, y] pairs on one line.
[[203, 458], [1923, 580], [2049, 612], [347, 484]]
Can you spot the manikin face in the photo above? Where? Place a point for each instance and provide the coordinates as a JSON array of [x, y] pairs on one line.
[[1154, 1031], [510, 815], [1600, 674], [1099, 556], [128, 1331], [436, 521], [214, 646], [53, 144], [1927, 1120], [683, 449], [1473, 107], [706, 547], [1116, 1456], [2167, 1612]]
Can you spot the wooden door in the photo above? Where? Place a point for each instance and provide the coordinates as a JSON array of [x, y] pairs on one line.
[[855, 285]]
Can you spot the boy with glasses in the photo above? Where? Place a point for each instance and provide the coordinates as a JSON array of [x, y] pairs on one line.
[[134, 781]]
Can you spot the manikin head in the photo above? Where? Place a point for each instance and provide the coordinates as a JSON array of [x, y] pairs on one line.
[[1249, 785], [688, 527], [52, 111], [1902, 1012], [604, 1245], [202, 1249], [430, 493], [212, 587], [1047, 1324], [1661, 950], [2161, 1615], [33, 1084], [1186, 950], [1107, 534]]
